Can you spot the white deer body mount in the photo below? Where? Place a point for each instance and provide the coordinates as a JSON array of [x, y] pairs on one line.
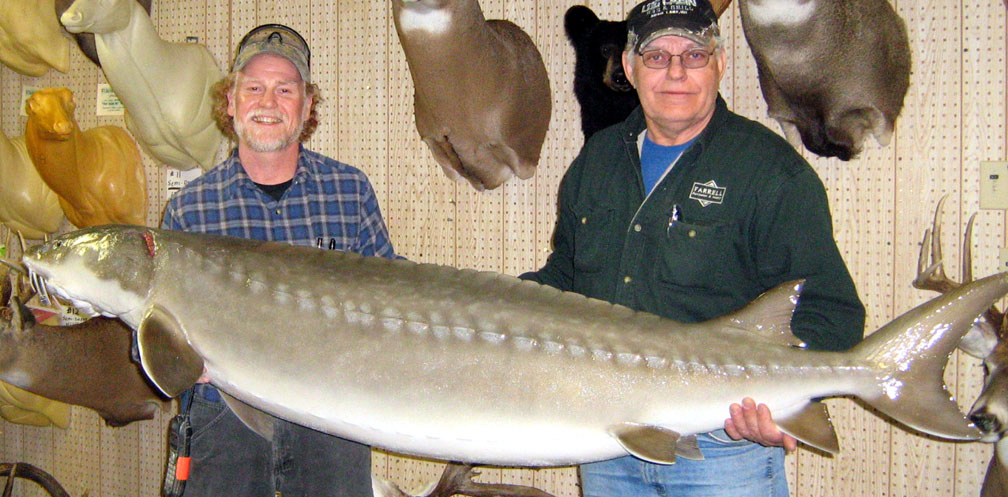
[[31, 41], [164, 86]]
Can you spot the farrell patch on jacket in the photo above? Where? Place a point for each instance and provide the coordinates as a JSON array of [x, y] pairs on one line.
[[707, 193]]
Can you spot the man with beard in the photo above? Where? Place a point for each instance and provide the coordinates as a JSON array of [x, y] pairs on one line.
[[272, 188]]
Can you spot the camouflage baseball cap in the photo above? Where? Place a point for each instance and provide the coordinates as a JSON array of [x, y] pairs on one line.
[[275, 39], [652, 19]]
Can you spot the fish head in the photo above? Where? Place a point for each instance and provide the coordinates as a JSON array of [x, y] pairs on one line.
[[104, 270]]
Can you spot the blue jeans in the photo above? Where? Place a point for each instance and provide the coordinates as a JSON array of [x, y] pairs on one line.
[[229, 459], [730, 469]]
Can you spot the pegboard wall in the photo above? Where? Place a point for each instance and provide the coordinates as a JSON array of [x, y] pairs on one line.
[[954, 117]]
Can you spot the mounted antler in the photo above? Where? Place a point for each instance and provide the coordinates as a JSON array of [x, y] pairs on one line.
[[931, 276], [457, 479], [988, 341]]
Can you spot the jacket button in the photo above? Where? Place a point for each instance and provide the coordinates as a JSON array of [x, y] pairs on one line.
[[637, 228], [584, 220], [692, 233], [627, 279]]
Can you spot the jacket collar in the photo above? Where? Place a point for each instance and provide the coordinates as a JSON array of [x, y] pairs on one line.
[[635, 124]]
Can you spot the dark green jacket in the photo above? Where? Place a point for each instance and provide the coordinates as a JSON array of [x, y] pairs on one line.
[[752, 214]]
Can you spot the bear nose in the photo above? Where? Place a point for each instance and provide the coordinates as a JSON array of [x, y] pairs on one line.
[[986, 422]]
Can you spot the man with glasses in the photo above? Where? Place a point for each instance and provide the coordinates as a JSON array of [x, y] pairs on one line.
[[272, 188], [689, 211]]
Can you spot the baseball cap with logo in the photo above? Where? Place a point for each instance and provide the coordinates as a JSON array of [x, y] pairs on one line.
[[652, 19], [275, 39]]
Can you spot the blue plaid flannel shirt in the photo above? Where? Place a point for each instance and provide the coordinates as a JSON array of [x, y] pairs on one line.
[[329, 205]]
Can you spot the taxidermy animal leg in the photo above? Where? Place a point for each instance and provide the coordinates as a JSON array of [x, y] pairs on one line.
[[457, 479]]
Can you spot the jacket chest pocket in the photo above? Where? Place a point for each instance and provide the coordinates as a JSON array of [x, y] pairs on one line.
[[696, 255], [596, 239]]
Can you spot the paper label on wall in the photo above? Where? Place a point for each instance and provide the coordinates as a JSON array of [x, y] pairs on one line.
[[107, 103], [176, 179], [26, 91]]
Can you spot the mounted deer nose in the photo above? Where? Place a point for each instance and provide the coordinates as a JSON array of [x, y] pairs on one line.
[[987, 422]]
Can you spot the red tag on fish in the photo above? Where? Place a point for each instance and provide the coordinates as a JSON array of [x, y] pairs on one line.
[[149, 240]]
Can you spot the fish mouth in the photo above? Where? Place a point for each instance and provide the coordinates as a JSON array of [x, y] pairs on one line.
[[47, 293]]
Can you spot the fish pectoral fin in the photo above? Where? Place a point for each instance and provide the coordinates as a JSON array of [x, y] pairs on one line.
[[648, 442], [687, 448], [165, 355], [257, 421], [812, 426]]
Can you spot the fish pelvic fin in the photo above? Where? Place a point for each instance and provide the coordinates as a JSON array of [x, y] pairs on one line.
[[655, 444], [768, 316], [910, 353], [812, 426], [256, 420], [165, 355]]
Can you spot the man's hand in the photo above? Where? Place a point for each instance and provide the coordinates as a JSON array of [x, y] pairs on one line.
[[754, 423]]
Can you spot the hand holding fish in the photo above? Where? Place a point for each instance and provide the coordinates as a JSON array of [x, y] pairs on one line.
[[755, 423]]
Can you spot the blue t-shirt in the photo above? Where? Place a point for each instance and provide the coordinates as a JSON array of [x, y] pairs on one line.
[[656, 159]]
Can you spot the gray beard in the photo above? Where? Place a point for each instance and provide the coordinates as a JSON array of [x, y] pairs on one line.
[[259, 145]]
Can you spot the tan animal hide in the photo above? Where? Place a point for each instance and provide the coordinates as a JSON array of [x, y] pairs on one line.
[[164, 86], [88, 364], [31, 41], [720, 6], [27, 205], [481, 93], [97, 173], [832, 71]]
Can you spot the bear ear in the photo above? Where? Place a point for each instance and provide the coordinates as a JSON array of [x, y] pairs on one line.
[[579, 21]]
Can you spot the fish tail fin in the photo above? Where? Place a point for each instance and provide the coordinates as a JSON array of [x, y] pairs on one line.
[[911, 352]]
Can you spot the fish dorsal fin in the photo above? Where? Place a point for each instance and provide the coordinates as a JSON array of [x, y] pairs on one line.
[[257, 421], [812, 425], [165, 355], [654, 443], [768, 316]]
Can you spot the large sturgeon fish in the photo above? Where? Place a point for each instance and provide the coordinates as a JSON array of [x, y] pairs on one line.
[[481, 367]]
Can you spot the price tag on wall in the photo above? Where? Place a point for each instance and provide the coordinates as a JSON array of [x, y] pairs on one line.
[[26, 91], [107, 103], [70, 316], [176, 179]]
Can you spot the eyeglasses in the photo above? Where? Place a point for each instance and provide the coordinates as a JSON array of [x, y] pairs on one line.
[[694, 58]]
